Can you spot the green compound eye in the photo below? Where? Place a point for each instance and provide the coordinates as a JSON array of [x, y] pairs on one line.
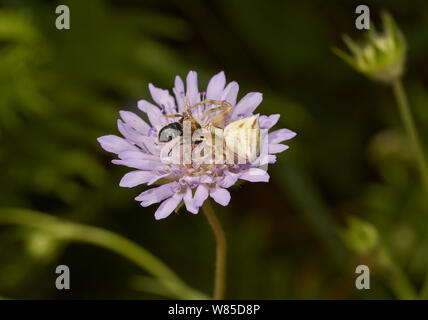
[[170, 131]]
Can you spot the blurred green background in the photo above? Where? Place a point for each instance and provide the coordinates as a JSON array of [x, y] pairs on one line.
[[288, 239]]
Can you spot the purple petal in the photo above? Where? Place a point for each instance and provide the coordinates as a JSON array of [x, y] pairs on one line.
[[163, 98], [230, 93], [277, 148], [271, 159], [131, 134], [229, 179], [248, 104], [201, 195], [179, 93], [281, 135], [135, 122], [137, 155], [206, 179], [124, 132], [150, 144], [190, 180], [168, 206], [156, 195], [216, 86], [115, 144], [267, 122], [135, 178], [156, 118], [157, 177], [220, 195], [189, 202], [192, 87], [137, 163], [255, 175]]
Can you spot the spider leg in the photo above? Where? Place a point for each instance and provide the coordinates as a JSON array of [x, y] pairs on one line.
[[206, 101], [225, 109], [174, 116], [202, 171]]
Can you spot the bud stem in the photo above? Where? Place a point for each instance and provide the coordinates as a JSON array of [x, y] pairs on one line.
[[409, 124], [406, 115]]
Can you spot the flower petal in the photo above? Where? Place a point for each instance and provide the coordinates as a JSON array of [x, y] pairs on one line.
[[201, 195], [229, 179], [281, 135], [277, 148], [157, 177], [163, 99], [149, 143], [131, 134], [115, 144], [220, 195], [135, 178], [192, 87], [155, 195], [137, 155], [156, 118], [135, 122], [137, 163], [271, 159], [216, 86], [230, 93], [248, 104], [207, 179], [267, 122], [179, 93], [168, 206], [255, 175], [189, 202]]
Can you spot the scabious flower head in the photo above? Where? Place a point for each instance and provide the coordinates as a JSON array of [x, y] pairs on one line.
[[382, 55], [189, 183]]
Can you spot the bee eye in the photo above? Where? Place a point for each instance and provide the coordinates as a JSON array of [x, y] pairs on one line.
[[170, 131]]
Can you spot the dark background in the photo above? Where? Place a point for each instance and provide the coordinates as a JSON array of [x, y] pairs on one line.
[[61, 89]]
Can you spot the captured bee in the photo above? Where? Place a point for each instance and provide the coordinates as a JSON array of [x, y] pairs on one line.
[[170, 131], [241, 138], [175, 129]]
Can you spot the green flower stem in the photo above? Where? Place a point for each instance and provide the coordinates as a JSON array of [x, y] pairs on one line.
[[409, 124], [220, 268], [76, 232], [406, 115]]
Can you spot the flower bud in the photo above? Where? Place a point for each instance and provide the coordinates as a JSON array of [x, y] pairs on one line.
[[360, 236], [381, 56]]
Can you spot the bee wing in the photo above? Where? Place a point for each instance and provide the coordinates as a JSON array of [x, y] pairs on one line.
[[242, 138]]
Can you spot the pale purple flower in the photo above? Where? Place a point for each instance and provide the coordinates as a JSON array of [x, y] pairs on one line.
[[140, 147]]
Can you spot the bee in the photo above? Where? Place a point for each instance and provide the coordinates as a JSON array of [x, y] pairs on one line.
[[174, 129], [240, 139]]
